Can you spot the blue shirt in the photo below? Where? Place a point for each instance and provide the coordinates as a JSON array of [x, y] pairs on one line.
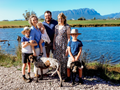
[[25, 39], [35, 34], [74, 45], [50, 28]]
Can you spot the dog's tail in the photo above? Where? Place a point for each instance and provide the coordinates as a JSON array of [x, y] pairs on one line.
[[57, 68]]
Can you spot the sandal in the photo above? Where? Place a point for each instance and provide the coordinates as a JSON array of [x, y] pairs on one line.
[[41, 54]]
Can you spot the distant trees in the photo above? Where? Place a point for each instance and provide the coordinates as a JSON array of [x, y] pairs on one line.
[[5, 20], [81, 18], [27, 14], [40, 18], [94, 18]]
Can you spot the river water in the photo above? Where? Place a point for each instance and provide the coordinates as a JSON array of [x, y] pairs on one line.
[[97, 41]]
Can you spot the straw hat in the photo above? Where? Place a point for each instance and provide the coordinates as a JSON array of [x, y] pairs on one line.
[[25, 28], [74, 31]]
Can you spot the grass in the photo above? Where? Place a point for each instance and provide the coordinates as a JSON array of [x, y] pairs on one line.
[[8, 60], [102, 69], [14, 24], [72, 23], [104, 72], [94, 22]]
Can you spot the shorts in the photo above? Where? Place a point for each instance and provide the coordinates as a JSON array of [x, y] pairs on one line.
[[25, 57], [49, 47], [70, 61]]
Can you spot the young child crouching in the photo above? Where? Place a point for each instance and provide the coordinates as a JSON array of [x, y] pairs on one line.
[[74, 49], [26, 51]]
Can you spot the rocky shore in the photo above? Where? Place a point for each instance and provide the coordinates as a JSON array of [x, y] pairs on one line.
[[11, 79]]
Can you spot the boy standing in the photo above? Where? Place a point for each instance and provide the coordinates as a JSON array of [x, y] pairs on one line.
[[74, 50], [26, 51]]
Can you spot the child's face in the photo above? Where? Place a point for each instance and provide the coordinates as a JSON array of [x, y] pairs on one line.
[[74, 36], [39, 25], [61, 20], [27, 32]]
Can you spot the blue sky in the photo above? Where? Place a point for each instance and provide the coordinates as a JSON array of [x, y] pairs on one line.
[[13, 9]]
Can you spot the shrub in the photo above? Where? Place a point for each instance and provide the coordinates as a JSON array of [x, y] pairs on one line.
[[81, 18], [18, 51]]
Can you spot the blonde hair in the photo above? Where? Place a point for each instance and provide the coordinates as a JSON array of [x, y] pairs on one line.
[[29, 21], [39, 22], [63, 16]]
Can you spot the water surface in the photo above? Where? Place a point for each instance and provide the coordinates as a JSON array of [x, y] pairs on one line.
[[98, 40]]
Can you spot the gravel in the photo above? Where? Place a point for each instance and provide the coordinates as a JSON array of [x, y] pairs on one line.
[[11, 79]]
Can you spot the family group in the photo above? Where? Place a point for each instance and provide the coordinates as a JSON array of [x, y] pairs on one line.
[[51, 36]]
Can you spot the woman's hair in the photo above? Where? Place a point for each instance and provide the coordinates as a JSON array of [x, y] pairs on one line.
[[29, 21], [63, 16]]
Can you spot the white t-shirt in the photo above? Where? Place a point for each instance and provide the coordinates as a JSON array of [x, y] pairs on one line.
[[27, 49]]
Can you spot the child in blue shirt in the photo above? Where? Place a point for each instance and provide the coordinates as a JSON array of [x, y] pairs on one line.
[[26, 52], [74, 50]]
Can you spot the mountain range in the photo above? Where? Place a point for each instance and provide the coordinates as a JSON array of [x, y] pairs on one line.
[[83, 12]]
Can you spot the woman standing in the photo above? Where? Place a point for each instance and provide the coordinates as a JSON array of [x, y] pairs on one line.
[[35, 34], [61, 38]]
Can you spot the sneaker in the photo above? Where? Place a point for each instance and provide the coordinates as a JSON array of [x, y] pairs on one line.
[[29, 80], [25, 79], [68, 79], [81, 81]]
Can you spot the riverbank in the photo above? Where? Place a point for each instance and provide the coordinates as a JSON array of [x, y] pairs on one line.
[[11, 79], [72, 23], [96, 76], [102, 70]]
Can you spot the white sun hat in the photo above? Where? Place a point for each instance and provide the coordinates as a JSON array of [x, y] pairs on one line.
[[25, 28], [74, 31]]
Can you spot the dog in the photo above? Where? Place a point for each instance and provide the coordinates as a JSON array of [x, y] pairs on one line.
[[43, 63], [74, 69]]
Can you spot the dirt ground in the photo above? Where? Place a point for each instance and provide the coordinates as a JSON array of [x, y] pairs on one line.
[[11, 79]]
